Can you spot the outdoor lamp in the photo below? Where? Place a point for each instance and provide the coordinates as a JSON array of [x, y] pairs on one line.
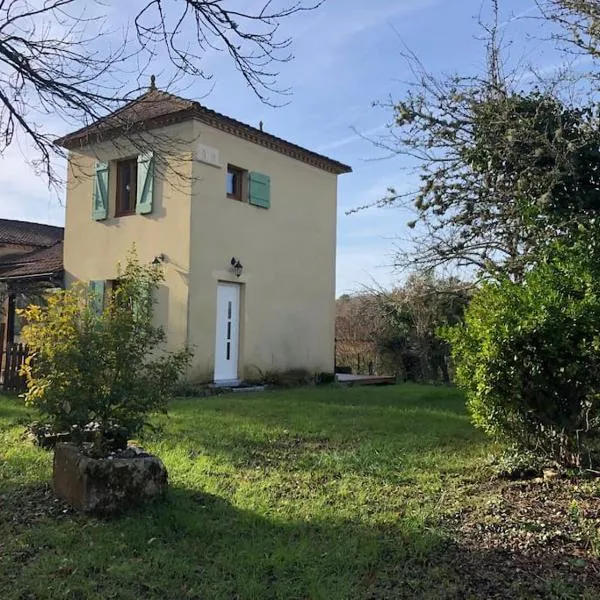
[[236, 266]]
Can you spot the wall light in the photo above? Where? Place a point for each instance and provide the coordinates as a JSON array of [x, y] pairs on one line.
[[236, 266]]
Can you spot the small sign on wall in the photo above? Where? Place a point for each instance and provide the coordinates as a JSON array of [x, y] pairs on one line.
[[208, 155]]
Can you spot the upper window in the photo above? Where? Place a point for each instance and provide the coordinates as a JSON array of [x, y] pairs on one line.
[[133, 191], [235, 182], [126, 187]]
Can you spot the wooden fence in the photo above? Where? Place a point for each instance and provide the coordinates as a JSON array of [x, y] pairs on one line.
[[12, 360]]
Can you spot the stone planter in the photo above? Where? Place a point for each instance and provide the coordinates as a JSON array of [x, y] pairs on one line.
[[106, 485]]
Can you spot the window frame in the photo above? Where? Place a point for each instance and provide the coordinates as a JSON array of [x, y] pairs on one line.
[[119, 210], [240, 176]]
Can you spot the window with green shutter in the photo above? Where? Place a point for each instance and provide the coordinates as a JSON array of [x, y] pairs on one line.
[[96, 295], [100, 194], [145, 183], [259, 190]]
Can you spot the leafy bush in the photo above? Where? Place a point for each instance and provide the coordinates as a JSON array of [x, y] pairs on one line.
[[325, 378], [288, 379], [528, 358], [101, 365]]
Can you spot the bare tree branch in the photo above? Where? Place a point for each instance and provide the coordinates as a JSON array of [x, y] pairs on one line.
[[59, 58], [579, 22]]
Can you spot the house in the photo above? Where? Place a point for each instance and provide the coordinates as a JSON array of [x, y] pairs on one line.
[[243, 222], [31, 262]]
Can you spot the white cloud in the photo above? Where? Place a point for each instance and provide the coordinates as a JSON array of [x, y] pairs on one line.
[[345, 21], [519, 15], [359, 136], [24, 195], [535, 74], [326, 36]]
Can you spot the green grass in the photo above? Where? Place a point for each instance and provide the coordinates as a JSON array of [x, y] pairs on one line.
[[320, 493]]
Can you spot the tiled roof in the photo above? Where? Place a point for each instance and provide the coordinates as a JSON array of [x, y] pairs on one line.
[[156, 108], [39, 262], [24, 233]]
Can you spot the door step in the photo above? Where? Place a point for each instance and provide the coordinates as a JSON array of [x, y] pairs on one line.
[[236, 386]]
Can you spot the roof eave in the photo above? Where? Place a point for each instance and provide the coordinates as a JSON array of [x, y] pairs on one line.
[[82, 138], [47, 275]]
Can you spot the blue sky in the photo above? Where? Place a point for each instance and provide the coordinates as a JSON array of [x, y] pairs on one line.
[[347, 55]]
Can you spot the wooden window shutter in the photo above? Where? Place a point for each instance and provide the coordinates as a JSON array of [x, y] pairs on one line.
[[260, 190], [100, 196], [145, 183], [96, 293]]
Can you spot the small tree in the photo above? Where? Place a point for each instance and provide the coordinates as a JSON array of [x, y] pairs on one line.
[[413, 314], [101, 365], [528, 357], [500, 166]]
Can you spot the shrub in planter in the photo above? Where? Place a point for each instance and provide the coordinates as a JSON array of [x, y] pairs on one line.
[[100, 361], [528, 358], [107, 485], [100, 368]]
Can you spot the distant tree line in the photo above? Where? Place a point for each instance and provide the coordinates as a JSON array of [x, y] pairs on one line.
[[394, 332]]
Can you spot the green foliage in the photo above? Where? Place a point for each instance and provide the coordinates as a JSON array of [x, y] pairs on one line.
[[101, 365], [288, 379], [501, 170], [395, 331], [542, 154], [528, 357], [516, 464], [324, 378]]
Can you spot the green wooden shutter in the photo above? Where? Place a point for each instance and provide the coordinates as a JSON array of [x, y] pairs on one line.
[[96, 291], [145, 183], [260, 190], [100, 197]]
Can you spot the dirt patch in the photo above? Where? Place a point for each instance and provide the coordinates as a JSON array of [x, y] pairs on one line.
[[534, 538]]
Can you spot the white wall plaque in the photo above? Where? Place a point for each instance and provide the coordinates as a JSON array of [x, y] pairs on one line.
[[207, 155]]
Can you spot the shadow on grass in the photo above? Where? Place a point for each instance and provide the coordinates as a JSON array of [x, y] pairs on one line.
[[404, 395], [329, 451], [13, 410], [196, 545], [318, 428]]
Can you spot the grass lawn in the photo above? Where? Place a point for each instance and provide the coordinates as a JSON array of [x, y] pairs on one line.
[[326, 493]]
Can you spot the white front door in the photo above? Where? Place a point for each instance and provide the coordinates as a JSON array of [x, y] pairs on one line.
[[228, 332]]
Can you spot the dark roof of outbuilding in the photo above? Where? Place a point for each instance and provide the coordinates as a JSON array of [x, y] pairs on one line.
[[157, 108], [45, 261], [25, 233]]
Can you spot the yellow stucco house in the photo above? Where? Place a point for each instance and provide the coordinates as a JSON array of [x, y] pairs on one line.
[[243, 222]]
